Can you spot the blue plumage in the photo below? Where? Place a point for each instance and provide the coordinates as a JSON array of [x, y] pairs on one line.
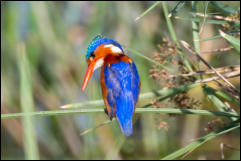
[[98, 40], [122, 82], [119, 79]]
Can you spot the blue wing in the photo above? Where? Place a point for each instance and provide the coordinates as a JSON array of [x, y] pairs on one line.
[[122, 82]]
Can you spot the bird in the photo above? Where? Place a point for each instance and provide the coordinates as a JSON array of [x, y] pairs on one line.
[[119, 79]]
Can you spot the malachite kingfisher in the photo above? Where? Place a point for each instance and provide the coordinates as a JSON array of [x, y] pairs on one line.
[[119, 80]]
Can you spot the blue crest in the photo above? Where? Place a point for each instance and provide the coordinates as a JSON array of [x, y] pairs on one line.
[[97, 41]]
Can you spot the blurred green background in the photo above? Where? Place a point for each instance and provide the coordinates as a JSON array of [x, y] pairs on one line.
[[54, 37]]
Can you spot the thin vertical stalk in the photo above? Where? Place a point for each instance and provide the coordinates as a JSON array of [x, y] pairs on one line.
[[174, 37], [195, 33], [30, 142]]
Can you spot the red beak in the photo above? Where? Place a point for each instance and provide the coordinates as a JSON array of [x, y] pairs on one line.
[[88, 74]]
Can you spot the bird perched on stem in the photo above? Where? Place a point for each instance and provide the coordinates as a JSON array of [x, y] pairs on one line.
[[119, 79]]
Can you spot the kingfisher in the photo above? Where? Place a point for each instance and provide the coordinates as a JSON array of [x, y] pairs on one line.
[[119, 79]]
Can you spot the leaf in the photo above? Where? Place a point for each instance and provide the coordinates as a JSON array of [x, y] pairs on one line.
[[26, 96], [177, 8], [162, 92], [224, 7], [195, 33], [210, 92], [218, 36], [138, 110], [230, 127], [148, 10], [235, 42], [149, 59], [96, 127], [227, 97], [197, 19], [169, 91], [174, 37]]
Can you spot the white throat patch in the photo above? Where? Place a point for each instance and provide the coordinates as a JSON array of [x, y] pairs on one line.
[[99, 63], [113, 48]]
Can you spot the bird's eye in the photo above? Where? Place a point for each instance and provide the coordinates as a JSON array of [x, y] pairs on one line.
[[92, 54]]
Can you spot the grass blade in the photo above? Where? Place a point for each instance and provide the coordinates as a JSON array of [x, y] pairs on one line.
[[177, 8], [94, 103], [210, 92], [168, 91], [96, 127], [224, 7], [148, 10], [162, 92], [205, 13], [169, 25], [235, 42], [174, 37], [195, 33], [230, 127], [138, 110], [186, 111], [149, 59], [197, 19], [30, 142], [227, 97], [218, 36], [232, 87]]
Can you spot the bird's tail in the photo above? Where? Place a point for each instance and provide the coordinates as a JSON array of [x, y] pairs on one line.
[[125, 125], [124, 111]]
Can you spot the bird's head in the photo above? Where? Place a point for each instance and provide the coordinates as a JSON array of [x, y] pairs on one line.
[[97, 50]]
